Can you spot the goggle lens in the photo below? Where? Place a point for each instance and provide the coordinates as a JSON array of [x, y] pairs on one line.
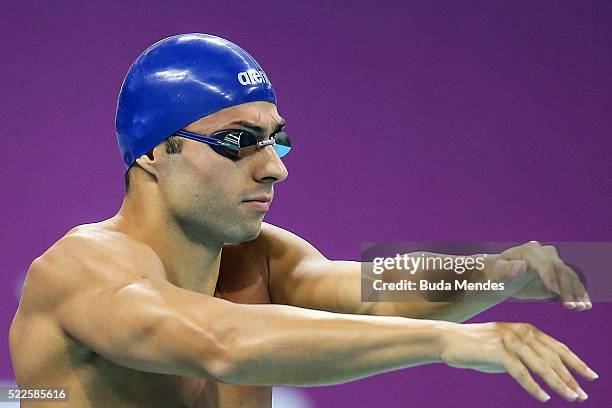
[[240, 143]]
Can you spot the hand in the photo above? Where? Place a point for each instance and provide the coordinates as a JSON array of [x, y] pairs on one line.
[[517, 348], [537, 272]]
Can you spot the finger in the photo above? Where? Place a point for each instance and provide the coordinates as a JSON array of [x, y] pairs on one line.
[[587, 301], [555, 362], [551, 250], [539, 366], [580, 294], [569, 358], [565, 284], [578, 291], [519, 372]]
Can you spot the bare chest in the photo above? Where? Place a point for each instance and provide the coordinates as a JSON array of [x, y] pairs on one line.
[[243, 275]]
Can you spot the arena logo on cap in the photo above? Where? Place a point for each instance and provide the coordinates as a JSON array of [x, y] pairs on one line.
[[252, 77]]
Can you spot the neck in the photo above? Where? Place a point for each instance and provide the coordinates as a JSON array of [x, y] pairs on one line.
[[189, 264]]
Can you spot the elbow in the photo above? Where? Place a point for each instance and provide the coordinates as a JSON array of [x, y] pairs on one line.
[[220, 365], [238, 359], [218, 357], [190, 348], [205, 349]]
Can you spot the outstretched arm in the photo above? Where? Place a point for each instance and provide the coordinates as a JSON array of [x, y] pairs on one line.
[[116, 301], [301, 276]]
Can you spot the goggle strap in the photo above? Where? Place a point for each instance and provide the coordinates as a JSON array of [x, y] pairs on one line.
[[199, 138]]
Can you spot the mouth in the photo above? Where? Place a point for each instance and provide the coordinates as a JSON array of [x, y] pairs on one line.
[[258, 203]]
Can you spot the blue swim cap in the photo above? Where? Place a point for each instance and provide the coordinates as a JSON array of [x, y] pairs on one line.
[[179, 80]]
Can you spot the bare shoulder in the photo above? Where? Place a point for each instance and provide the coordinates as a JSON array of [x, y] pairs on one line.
[[86, 258], [280, 243]]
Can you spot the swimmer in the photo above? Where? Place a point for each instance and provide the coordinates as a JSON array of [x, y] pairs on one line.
[[186, 298]]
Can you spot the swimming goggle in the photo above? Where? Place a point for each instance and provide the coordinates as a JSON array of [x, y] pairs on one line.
[[236, 144]]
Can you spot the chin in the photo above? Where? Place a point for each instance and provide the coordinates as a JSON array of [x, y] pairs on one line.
[[253, 233], [246, 233]]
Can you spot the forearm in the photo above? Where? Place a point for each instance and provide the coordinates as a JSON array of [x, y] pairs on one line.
[[284, 345], [454, 305], [455, 311]]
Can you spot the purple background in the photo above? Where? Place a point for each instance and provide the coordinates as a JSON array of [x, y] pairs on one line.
[[411, 121]]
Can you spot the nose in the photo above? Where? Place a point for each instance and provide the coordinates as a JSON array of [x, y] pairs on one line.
[[269, 166]]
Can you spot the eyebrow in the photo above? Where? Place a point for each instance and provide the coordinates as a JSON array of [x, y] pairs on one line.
[[255, 128]]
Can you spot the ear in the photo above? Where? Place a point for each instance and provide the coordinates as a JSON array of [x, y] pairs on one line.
[[150, 161]]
